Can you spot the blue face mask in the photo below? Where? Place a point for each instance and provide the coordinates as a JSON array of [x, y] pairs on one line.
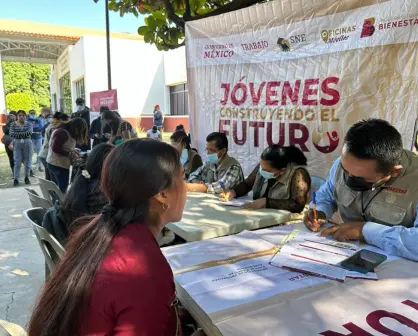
[[184, 156], [49, 120], [32, 116], [212, 158], [267, 175], [80, 107]]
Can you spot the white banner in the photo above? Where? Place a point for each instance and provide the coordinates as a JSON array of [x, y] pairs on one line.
[[302, 79]]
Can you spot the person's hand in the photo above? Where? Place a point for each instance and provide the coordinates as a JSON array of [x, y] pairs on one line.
[[196, 181], [97, 136], [227, 195], [257, 204], [107, 135], [346, 231], [11, 146], [312, 223]]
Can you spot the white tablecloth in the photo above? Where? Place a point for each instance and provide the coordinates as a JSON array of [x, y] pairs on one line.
[[204, 217]]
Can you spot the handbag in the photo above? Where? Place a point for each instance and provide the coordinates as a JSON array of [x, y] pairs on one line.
[[7, 140]]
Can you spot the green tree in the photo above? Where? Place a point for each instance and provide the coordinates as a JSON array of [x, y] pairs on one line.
[[19, 101], [29, 78], [165, 24]]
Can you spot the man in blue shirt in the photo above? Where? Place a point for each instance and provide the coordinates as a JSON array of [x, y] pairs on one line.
[[374, 187], [37, 124]]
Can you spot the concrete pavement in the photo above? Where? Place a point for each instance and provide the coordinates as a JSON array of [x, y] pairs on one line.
[[21, 263]]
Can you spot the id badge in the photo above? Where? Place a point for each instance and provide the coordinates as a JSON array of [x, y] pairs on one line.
[[22, 141]]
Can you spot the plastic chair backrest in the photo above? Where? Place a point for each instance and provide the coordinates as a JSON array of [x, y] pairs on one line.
[[32, 191], [50, 190], [317, 182], [51, 248], [36, 200]]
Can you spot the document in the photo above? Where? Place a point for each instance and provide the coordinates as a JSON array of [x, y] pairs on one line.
[[237, 202]]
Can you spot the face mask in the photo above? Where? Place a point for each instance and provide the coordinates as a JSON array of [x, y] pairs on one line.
[[212, 158], [32, 116], [267, 175], [80, 107], [360, 184], [49, 120], [184, 156]]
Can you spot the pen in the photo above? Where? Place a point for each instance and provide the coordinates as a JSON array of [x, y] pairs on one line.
[[314, 205]]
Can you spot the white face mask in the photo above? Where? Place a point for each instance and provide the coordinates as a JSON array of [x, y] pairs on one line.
[[184, 156]]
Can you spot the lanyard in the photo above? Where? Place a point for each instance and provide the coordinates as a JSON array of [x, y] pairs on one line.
[[364, 208]]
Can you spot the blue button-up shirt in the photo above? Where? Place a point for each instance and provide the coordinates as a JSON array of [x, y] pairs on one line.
[[394, 240]]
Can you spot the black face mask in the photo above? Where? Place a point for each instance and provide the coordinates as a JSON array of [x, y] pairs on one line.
[[357, 183]]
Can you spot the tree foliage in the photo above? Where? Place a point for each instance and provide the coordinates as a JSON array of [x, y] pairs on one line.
[[165, 20], [29, 78], [19, 101]]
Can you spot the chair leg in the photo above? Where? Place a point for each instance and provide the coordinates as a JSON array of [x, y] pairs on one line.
[[47, 272]]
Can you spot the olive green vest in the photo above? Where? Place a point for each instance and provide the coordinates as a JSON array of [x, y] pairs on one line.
[[394, 204], [281, 189]]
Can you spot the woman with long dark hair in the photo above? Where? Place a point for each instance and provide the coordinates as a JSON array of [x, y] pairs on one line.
[[280, 181], [7, 140], [62, 149], [83, 198], [122, 130], [114, 279], [21, 133], [189, 157]]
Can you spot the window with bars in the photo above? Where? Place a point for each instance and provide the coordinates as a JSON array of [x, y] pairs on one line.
[[179, 102], [79, 89], [65, 94]]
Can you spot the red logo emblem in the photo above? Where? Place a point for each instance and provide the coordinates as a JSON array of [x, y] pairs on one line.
[[368, 27]]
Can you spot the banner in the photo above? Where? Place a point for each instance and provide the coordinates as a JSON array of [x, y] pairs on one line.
[[102, 98], [302, 74]]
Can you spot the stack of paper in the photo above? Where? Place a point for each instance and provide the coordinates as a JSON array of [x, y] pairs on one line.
[[237, 202], [320, 256]]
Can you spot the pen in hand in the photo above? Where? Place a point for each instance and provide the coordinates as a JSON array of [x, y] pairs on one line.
[[314, 206]]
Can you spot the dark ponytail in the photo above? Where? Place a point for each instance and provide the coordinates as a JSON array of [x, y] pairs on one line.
[[279, 157], [64, 301]]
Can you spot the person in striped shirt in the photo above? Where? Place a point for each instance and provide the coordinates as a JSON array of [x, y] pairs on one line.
[[21, 133]]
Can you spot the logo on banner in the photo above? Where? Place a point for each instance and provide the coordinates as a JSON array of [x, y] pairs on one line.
[[218, 50], [368, 27], [283, 44], [398, 22], [337, 34], [329, 145], [255, 46]]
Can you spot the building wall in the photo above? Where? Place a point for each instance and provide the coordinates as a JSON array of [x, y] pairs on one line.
[[140, 73]]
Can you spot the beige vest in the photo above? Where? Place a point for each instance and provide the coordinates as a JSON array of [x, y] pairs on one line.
[[60, 160], [394, 204], [214, 174], [188, 165], [281, 189]]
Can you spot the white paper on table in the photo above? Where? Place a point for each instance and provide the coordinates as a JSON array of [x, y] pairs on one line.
[[199, 252], [358, 275], [315, 238], [312, 254], [237, 202], [308, 266], [227, 275]]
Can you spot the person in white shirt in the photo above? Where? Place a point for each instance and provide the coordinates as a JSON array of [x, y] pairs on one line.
[[154, 133]]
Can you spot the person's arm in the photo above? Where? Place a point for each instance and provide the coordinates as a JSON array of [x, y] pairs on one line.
[[93, 129], [246, 186], [38, 127], [17, 133], [232, 177], [299, 190], [325, 195], [126, 130], [394, 240], [196, 175], [60, 137]]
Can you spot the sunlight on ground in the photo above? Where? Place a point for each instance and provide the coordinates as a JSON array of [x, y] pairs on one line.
[[19, 272]]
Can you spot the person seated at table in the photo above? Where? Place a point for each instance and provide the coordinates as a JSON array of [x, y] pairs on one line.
[[280, 181], [113, 278], [220, 170], [121, 130], [84, 197], [189, 157], [374, 187]]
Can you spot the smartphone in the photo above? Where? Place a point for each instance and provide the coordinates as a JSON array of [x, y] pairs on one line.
[[363, 261]]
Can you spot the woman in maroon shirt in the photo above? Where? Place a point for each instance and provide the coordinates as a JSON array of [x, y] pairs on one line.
[[113, 279]]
